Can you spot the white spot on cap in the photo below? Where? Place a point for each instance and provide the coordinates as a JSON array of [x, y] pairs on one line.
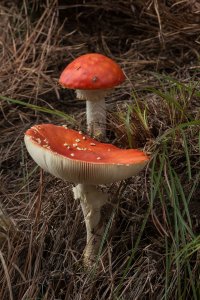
[[77, 140], [98, 157], [38, 140], [81, 149], [46, 146], [80, 132], [72, 154], [75, 145], [92, 144], [84, 138]]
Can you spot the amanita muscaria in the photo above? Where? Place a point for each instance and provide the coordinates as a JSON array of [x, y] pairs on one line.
[[75, 157], [93, 76]]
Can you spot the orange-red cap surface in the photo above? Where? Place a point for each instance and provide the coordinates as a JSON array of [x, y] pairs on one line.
[[92, 71], [75, 145], [73, 156]]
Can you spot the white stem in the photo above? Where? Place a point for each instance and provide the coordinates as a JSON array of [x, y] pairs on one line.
[[96, 110], [96, 118], [92, 202]]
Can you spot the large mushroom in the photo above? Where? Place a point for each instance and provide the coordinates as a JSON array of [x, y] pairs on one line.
[[93, 76], [77, 158]]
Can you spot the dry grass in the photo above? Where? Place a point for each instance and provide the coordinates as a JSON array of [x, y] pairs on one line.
[[41, 257]]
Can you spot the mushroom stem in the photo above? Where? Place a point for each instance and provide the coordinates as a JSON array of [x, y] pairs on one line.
[[96, 118], [95, 111], [92, 202]]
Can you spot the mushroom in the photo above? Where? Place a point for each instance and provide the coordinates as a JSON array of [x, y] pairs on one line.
[[93, 76], [72, 156]]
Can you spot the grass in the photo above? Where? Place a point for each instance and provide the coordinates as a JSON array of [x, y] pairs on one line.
[[180, 234], [171, 188], [69, 119], [154, 252], [167, 190], [179, 220]]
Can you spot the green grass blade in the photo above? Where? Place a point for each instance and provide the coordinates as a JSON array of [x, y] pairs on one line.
[[187, 154], [40, 108], [133, 252]]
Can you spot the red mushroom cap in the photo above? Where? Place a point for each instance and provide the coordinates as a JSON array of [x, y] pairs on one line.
[[92, 71], [70, 155]]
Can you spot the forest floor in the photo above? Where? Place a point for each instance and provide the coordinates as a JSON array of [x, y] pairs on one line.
[[154, 252]]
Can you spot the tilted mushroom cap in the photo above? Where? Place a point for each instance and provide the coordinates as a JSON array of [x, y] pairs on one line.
[[92, 71], [73, 156]]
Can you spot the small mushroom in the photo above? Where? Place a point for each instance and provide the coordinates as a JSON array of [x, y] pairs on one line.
[[102, 164], [93, 76]]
